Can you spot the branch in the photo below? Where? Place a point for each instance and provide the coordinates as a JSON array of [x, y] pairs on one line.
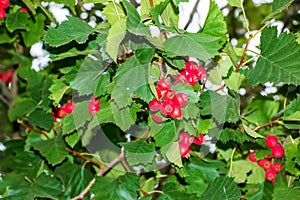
[[267, 124], [100, 173], [244, 54], [32, 129], [145, 134], [84, 157], [192, 15]]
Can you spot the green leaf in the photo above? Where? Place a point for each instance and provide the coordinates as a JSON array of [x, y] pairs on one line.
[[223, 108], [222, 188], [164, 134], [199, 45], [240, 169], [234, 135], [215, 24], [173, 154], [21, 107], [57, 89], [34, 30], [72, 139], [293, 107], [277, 7], [132, 77], [113, 12], [205, 173], [277, 63], [41, 119], [116, 34], [260, 191], [16, 21], [257, 176], [251, 132], [234, 81], [105, 114], [45, 186], [80, 116], [68, 124], [123, 187], [286, 193], [140, 152], [71, 29], [122, 117], [236, 3], [175, 191], [215, 76], [85, 81], [54, 150], [69, 3], [73, 177]]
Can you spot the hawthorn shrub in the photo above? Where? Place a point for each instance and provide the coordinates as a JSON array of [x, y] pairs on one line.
[[121, 102]]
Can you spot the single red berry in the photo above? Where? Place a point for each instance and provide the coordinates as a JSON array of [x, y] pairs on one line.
[[169, 95], [2, 13], [69, 107], [277, 151], [199, 140], [61, 112], [271, 141], [191, 67], [160, 92], [185, 141], [182, 99], [164, 83], [7, 76], [252, 156], [201, 72], [260, 162], [93, 108], [154, 105], [177, 113], [156, 118], [266, 164], [24, 9], [167, 108], [191, 79], [184, 151], [4, 3], [270, 175], [276, 166]]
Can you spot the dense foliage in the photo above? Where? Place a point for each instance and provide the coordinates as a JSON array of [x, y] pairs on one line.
[[122, 102]]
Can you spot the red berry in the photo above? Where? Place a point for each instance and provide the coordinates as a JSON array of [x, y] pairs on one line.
[[160, 92], [179, 79], [169, 95], [6, 77], [24, 9], [277, 151], [2, 13], [266, 164], [260, 162], [182, 99], [199, 140], [177, 113], [191, 79], [4, 3], [276, 166], [93, 108], [201, 72], [185, 141], [164, 83], [95, 100], [156, 118], [154, 105], [252, 156], [190, 67], [69, 107], [167, 108], [61, 112], [270, 175], [271, 141], [55, 118]]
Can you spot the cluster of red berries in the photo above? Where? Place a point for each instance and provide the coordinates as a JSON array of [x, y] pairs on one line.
[[191, 74], [170, 103], [7, 76], [94, 106], [3, 4], [269, 166], [63, 111], [185, 141]]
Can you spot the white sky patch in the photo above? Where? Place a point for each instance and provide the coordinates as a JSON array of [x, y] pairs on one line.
[[41, 56], [58, 11], [2, 147], [254, 43], [88, 6], [185, 10]]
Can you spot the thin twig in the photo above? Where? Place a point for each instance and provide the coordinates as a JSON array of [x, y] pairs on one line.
[[32, 129], [2, 98], [123, 162], [102, 71], [84, 157], [100, 173], [14, 85], [267, 124], [192, 15], [231, 161], [244, 54], [145, 134]]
